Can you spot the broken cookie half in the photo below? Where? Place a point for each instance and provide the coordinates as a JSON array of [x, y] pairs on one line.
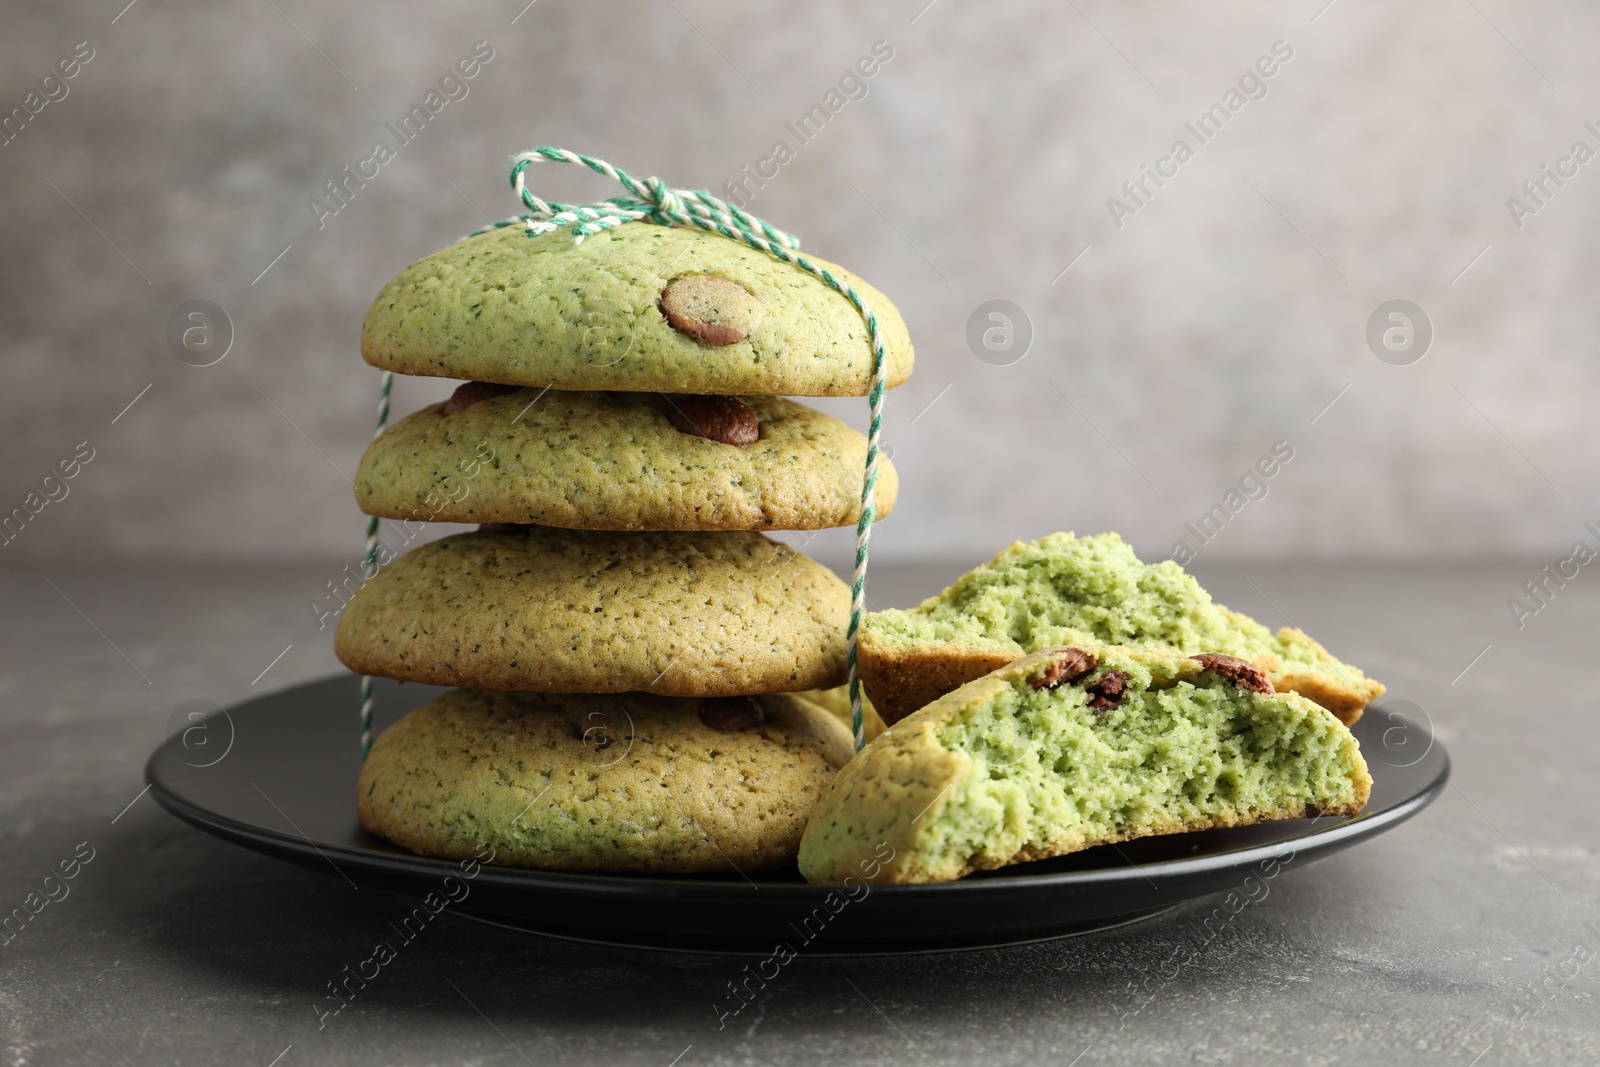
[[1066, 590], [1073, 747]]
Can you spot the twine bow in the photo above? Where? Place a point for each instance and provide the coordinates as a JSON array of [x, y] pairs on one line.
[[652, 200]]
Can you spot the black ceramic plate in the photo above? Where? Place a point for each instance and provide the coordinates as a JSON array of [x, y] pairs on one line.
[[277, 774]]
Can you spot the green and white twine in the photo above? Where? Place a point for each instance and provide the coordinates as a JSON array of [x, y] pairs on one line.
[[652, 200], [369, 567]]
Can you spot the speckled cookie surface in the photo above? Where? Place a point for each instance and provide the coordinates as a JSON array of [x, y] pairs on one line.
[[615, 461], [681, 614], [543, 311], [602, 783]]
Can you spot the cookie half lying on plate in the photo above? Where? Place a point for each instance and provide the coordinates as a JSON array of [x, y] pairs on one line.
[[620, 461], [1063, 590], [603, 783], [562, 611], [640, 308], [1074, 747]]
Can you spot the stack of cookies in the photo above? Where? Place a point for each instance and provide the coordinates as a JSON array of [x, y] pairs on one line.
[[627, 643]]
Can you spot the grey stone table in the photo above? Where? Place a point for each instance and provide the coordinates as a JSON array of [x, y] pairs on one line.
[[1465, 936]]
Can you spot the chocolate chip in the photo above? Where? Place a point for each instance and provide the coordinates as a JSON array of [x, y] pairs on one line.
[[1106, 694], [469, 393], [719, 418], [1073, 664], [711, 309], [731, 714], [1240, 672]]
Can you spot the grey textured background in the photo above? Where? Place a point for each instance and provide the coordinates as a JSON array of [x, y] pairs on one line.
[[1221, 318]]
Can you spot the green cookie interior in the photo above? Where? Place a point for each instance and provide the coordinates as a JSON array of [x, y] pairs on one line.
[[1064, 590], [1001, 771], [1202, 750]]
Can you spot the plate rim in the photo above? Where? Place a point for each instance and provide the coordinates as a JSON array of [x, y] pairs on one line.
[[1312, 844]]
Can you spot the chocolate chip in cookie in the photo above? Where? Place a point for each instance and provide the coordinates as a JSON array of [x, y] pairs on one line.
[[1073, 664], [1241, 672], [731, 714], [718, 418], [1106, 693], [710, 309], [469, 393]]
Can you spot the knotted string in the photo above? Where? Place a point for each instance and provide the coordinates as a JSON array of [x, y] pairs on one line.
[[652, 200]]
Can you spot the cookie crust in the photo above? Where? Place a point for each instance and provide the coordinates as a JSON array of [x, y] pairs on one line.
[[600, 783], [545, 311], [677, 614], [615, 461]]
